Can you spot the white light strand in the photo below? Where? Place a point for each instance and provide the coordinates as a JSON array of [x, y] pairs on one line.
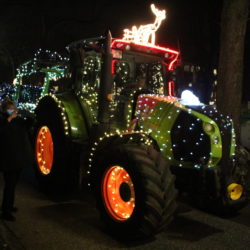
[[145, 34]]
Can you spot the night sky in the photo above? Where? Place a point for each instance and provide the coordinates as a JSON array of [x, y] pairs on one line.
[[25, 26]]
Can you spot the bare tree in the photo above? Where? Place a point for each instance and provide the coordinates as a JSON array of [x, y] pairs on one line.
[[230, 72]]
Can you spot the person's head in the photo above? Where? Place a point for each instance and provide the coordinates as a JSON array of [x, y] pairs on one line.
[[8, 106]]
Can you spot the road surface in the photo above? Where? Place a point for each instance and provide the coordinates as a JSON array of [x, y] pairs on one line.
[[73, 223]]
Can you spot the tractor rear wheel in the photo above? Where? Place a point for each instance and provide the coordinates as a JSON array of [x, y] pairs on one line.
[[135, 190]]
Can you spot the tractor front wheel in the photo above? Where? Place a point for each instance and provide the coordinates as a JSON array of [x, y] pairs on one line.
[[135, 190]]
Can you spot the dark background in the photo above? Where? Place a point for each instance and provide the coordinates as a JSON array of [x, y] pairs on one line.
[[193, 27]]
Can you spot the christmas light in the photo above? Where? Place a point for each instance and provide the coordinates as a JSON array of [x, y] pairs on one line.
[[170, 54], [27, 95], [144, 140], [145, 34]]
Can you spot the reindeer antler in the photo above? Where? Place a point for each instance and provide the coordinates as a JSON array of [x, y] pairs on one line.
[[157, 12], [154, 10]]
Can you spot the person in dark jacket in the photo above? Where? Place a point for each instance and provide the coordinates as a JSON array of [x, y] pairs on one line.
[[15, 154]]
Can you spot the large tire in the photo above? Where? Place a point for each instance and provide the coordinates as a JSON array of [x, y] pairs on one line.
[[243, 163], [61, 175], [241, 171], [235, 193], [150, 189]]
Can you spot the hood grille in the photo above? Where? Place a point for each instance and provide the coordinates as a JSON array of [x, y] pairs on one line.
[[189, 142]]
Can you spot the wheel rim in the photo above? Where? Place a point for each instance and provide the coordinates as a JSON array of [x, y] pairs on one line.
[[235, 191], [44, 150], [118, 193]]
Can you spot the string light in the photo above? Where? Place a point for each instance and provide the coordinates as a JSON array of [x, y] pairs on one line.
[[63, 112], [143, 138], [149, 114], [26, 95], [155, 114]]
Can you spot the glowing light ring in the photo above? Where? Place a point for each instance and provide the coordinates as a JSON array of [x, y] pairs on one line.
[[116, 206], [44, 150]]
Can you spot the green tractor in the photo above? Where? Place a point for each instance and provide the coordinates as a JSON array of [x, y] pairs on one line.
[[118, 127], [34, 79]]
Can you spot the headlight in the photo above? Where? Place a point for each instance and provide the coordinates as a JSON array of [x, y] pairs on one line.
[[208, 127]]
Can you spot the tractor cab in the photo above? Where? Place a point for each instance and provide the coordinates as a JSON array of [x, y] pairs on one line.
[[131, 70], [143, 66], [139, 69]]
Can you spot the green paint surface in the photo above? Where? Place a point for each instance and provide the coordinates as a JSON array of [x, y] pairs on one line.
[[160, 123]]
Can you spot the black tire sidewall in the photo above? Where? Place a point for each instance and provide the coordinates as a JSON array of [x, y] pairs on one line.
[[61, 159], [118, 156]]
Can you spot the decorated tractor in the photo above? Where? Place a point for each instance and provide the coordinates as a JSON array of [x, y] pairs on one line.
[[34, 79], [6, 91], [118, 128]]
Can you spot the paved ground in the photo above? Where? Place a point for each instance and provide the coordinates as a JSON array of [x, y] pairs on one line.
[[71, 224]]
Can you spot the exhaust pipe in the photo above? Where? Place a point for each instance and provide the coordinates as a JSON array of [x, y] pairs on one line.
[[106, 82]]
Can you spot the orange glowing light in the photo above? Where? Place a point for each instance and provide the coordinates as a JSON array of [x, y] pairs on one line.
[[118, 208], [44, 150]]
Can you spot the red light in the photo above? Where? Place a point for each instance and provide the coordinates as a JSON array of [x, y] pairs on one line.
[[119, 44], [145, 46], [113, 67], [171, 64], [171, 90]]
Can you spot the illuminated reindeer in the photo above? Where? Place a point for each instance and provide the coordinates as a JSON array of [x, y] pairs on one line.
[[145, 34]]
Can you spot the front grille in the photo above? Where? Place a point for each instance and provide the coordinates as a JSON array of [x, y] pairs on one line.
[[225, 125], [189, 142]]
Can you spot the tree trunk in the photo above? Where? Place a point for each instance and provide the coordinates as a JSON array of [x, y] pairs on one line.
[[230, 72]]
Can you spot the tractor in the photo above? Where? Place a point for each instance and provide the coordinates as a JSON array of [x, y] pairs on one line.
[[35, 78], [118, 127]]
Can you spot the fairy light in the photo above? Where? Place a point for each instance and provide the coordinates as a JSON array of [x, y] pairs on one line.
[[31, 67], [27, 95], [7, 90], [148, 114], [63, 112], [145, 140], [151, 111]]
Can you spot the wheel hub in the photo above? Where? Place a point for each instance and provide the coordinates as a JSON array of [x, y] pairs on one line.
[[235, 191], [118, 193], [44, 150], [125, 191]]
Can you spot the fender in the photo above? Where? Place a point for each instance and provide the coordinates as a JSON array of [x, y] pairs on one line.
[[74, 117], [121, 137]]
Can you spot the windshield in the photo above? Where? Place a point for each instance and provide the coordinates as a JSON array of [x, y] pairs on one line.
[[139, 75]]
